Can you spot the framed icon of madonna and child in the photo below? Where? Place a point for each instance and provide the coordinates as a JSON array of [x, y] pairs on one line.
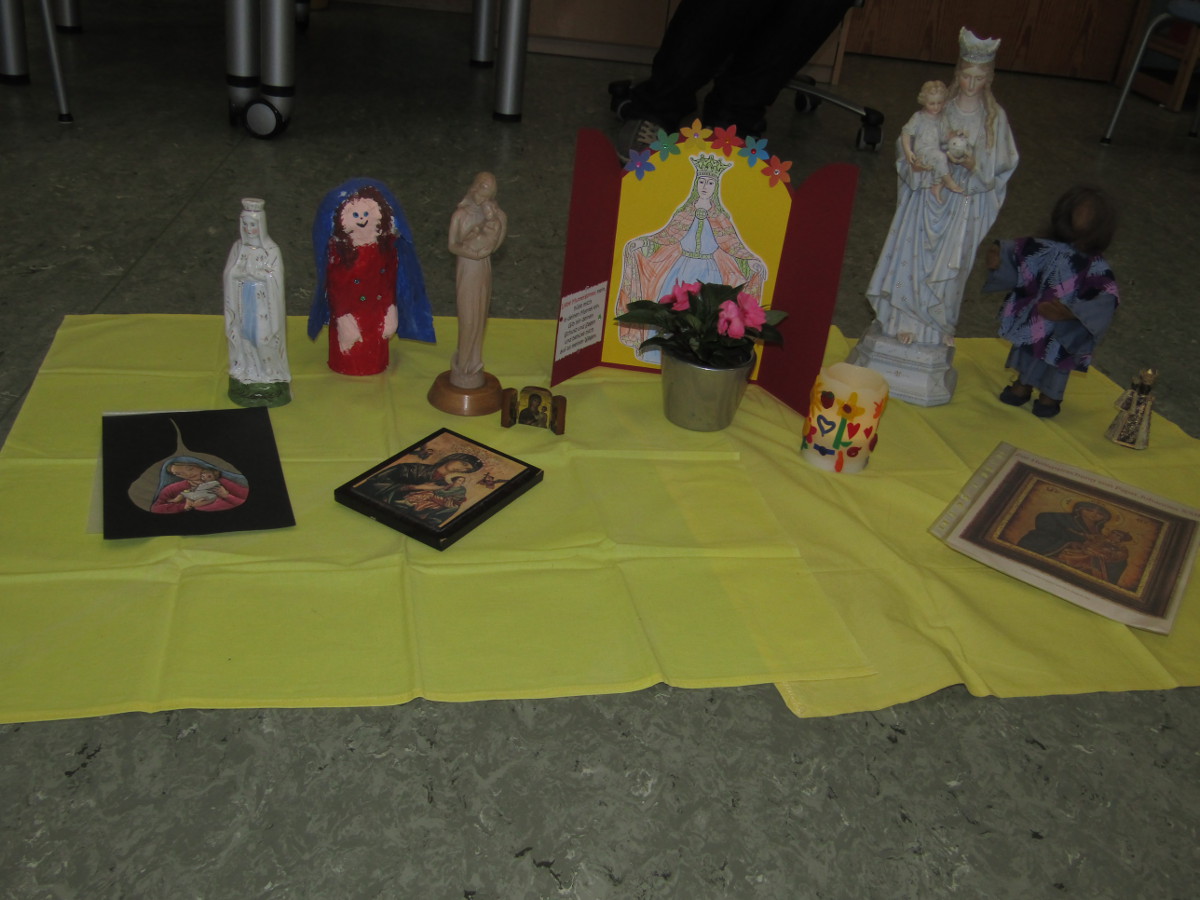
[[440, 488], [1100, 543]]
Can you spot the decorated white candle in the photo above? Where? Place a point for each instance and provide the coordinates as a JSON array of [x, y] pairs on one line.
[[843, 417]]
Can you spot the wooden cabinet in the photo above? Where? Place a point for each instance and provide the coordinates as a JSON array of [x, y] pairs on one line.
[[1071, 38], [624, 30]]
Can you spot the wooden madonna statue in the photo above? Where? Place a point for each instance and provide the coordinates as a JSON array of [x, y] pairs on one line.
[[477, 229]]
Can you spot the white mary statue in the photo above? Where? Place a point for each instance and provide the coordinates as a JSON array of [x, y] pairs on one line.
[[917, 288], [255, 315]]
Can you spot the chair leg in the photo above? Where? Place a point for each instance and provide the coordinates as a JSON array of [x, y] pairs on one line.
[[279, 54], [60, 89], [1133, 69], [241, 56]]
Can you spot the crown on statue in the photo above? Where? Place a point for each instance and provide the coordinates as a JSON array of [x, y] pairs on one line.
[[253, 204], [976, 50], [714, 166]]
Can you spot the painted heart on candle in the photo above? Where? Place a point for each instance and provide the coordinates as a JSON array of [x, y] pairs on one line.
[[852, 428], [825, 425], [867, 431]]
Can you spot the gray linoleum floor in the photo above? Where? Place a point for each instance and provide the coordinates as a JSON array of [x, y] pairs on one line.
[[661, 793]]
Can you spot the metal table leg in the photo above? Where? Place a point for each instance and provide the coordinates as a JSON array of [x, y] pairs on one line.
[[66, 16], [510, 73], [14, 60], [483, 23]]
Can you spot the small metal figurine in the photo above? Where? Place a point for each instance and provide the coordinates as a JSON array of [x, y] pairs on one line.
[[255, 316], [477, 229], [1131, 427], [369, 282]]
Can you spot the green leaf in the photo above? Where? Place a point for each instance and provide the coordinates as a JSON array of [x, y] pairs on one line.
[[653, 317]]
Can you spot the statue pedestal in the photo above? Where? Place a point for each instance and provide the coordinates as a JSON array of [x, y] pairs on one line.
[[921, 374], [480, 401]]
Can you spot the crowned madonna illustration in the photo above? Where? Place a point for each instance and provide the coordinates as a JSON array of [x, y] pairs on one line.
[[699, 243]]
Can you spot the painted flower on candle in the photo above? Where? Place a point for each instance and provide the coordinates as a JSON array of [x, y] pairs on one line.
[[850, 408], [843, 417]]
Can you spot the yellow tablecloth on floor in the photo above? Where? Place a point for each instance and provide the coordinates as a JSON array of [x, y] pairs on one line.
[[648, 554], [927, 616]]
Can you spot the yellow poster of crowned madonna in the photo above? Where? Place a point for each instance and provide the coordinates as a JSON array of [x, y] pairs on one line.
[[698, 206]]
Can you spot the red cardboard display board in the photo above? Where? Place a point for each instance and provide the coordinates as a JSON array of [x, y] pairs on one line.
[[805, 272]]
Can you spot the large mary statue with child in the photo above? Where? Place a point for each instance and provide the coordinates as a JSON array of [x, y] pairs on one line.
[[917, 288]]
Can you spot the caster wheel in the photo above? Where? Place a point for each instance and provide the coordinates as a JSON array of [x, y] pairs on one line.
[[263, 120], [805, 103]]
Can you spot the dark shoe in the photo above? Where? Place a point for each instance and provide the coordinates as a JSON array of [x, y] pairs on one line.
[[1047, 407], [636, 134], [1015, 397], [619, 93]]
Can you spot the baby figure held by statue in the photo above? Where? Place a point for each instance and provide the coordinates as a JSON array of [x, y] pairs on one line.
[[921, 140]]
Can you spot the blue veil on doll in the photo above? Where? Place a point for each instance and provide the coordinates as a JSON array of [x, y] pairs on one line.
[[413, 311]]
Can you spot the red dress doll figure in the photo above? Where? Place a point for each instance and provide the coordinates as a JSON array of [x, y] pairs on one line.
[[369, 282]]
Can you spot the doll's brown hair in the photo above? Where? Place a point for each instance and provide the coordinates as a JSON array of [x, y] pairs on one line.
[[1085, 217]]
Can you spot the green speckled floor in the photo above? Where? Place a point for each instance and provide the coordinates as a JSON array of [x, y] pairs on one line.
[[662, 793]]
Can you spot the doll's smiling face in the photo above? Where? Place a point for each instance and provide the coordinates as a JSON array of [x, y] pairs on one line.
[[360, 219]]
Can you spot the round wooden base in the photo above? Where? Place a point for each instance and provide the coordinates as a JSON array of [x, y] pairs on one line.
[[480, 401]]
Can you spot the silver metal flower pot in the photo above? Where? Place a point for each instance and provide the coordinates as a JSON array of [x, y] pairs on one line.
[[700, 398]]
